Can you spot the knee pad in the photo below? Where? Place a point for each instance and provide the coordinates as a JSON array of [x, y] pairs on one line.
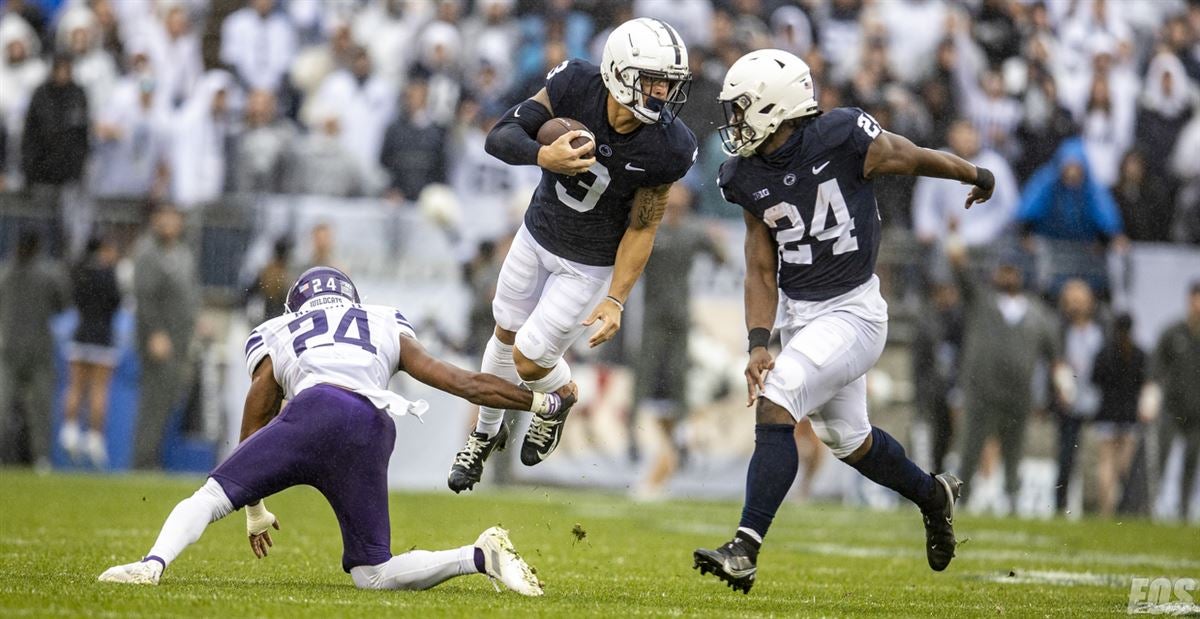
[[841, 437], [536, 347]]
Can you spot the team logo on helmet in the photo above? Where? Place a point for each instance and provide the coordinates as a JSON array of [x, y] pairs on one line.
[[319, 281]]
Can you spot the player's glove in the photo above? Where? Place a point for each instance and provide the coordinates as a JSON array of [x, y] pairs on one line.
[[259, 522]]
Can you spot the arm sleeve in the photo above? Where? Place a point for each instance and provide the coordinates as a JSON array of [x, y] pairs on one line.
[[256, 350], [513, 139]]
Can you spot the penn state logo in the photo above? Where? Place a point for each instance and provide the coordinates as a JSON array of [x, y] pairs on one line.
[[789, 179], [605, 150]]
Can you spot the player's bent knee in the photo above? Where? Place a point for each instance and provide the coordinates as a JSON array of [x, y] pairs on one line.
[[772, 413], [527, 368], [847, 442], [505, 336]]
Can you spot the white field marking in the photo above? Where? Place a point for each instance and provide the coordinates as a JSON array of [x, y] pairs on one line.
[[1088, 558], [1175, 609], [1059, 579]]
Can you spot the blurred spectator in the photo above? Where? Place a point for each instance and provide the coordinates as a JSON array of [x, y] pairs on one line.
[[661, 388], [995, 30], [1105, 135], [314, 63], [266, 297], [791, 31], [1185, 165], [840, 37], [557, 22], [321, 246], [364, 103], [132, 135], [94, 68], [54, 144], [1146, 206], [935, 93], [981, 96], [491, 35], [200, 131], [92, 354], [320, 164], [1166, 107], [261, 154], [1064, 201], [438, 65], [1175, 368], [914, 29], [21, 71], [938, 203], [389, 28], [108, 28], [38, 289], [258, 43], [1045, 124], [1119, 373], [166, 287], [482, 273], [488, 189], [691, 18], [936, 352], [414, 147], [1082, 339], [1006, 333], [174, 50]]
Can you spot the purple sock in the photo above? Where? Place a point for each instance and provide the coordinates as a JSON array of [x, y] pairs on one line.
[[480, 564], [155, 558]]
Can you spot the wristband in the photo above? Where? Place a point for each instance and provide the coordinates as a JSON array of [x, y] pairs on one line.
[[759, 337], [545, 404], [984, 178], [620, 305]]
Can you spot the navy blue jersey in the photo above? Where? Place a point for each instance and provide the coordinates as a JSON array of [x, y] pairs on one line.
[[812, 194], [582, 218]]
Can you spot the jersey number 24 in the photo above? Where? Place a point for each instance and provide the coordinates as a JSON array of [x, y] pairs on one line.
[[354, 317], [831, 221]]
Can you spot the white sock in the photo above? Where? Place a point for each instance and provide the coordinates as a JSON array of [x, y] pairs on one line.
[[189, 519], [416, 569], [498, 360], [558, 377]]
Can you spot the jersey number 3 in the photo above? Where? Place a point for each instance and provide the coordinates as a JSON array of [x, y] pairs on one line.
[[831, 221], [354, 317], [582, 196]]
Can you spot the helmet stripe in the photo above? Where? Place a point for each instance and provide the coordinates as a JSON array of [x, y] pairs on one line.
[[674, 41]]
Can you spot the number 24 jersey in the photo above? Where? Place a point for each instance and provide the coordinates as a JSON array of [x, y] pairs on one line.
[[820, 209], [331, 340]]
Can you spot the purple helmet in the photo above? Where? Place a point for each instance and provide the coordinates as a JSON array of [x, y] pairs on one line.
[[319, 281]]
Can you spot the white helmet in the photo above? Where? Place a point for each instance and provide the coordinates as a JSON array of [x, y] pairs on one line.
[[761, 90], [646, 48]]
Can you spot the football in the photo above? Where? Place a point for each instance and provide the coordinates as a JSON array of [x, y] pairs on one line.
[[555, 127]]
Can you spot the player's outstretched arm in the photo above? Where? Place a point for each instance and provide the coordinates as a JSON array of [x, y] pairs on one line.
[[762, 299], [649, 205], [891, 153], [262, 400], [476, 387]]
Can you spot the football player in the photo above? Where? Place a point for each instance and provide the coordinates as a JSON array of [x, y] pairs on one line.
[[803, 178], [591, 222], [332, 357]]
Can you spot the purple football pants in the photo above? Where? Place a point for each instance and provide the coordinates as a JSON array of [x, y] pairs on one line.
[[335, 441]]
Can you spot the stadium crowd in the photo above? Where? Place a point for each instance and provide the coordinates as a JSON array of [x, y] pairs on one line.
[[1086, 111]]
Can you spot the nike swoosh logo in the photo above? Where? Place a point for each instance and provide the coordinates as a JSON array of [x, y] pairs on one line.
[[633, 168], [817, 169], [517, 112]]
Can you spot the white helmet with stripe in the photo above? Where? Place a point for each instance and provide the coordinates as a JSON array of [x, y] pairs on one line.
[[646, 49], [760, 91]]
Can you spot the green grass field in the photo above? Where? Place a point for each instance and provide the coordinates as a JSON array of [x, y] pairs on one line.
[[57, 533]]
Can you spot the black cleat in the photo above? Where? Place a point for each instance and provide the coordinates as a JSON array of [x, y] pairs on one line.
[[939, 524], [543, 435], [468, 463], [735, 563]]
